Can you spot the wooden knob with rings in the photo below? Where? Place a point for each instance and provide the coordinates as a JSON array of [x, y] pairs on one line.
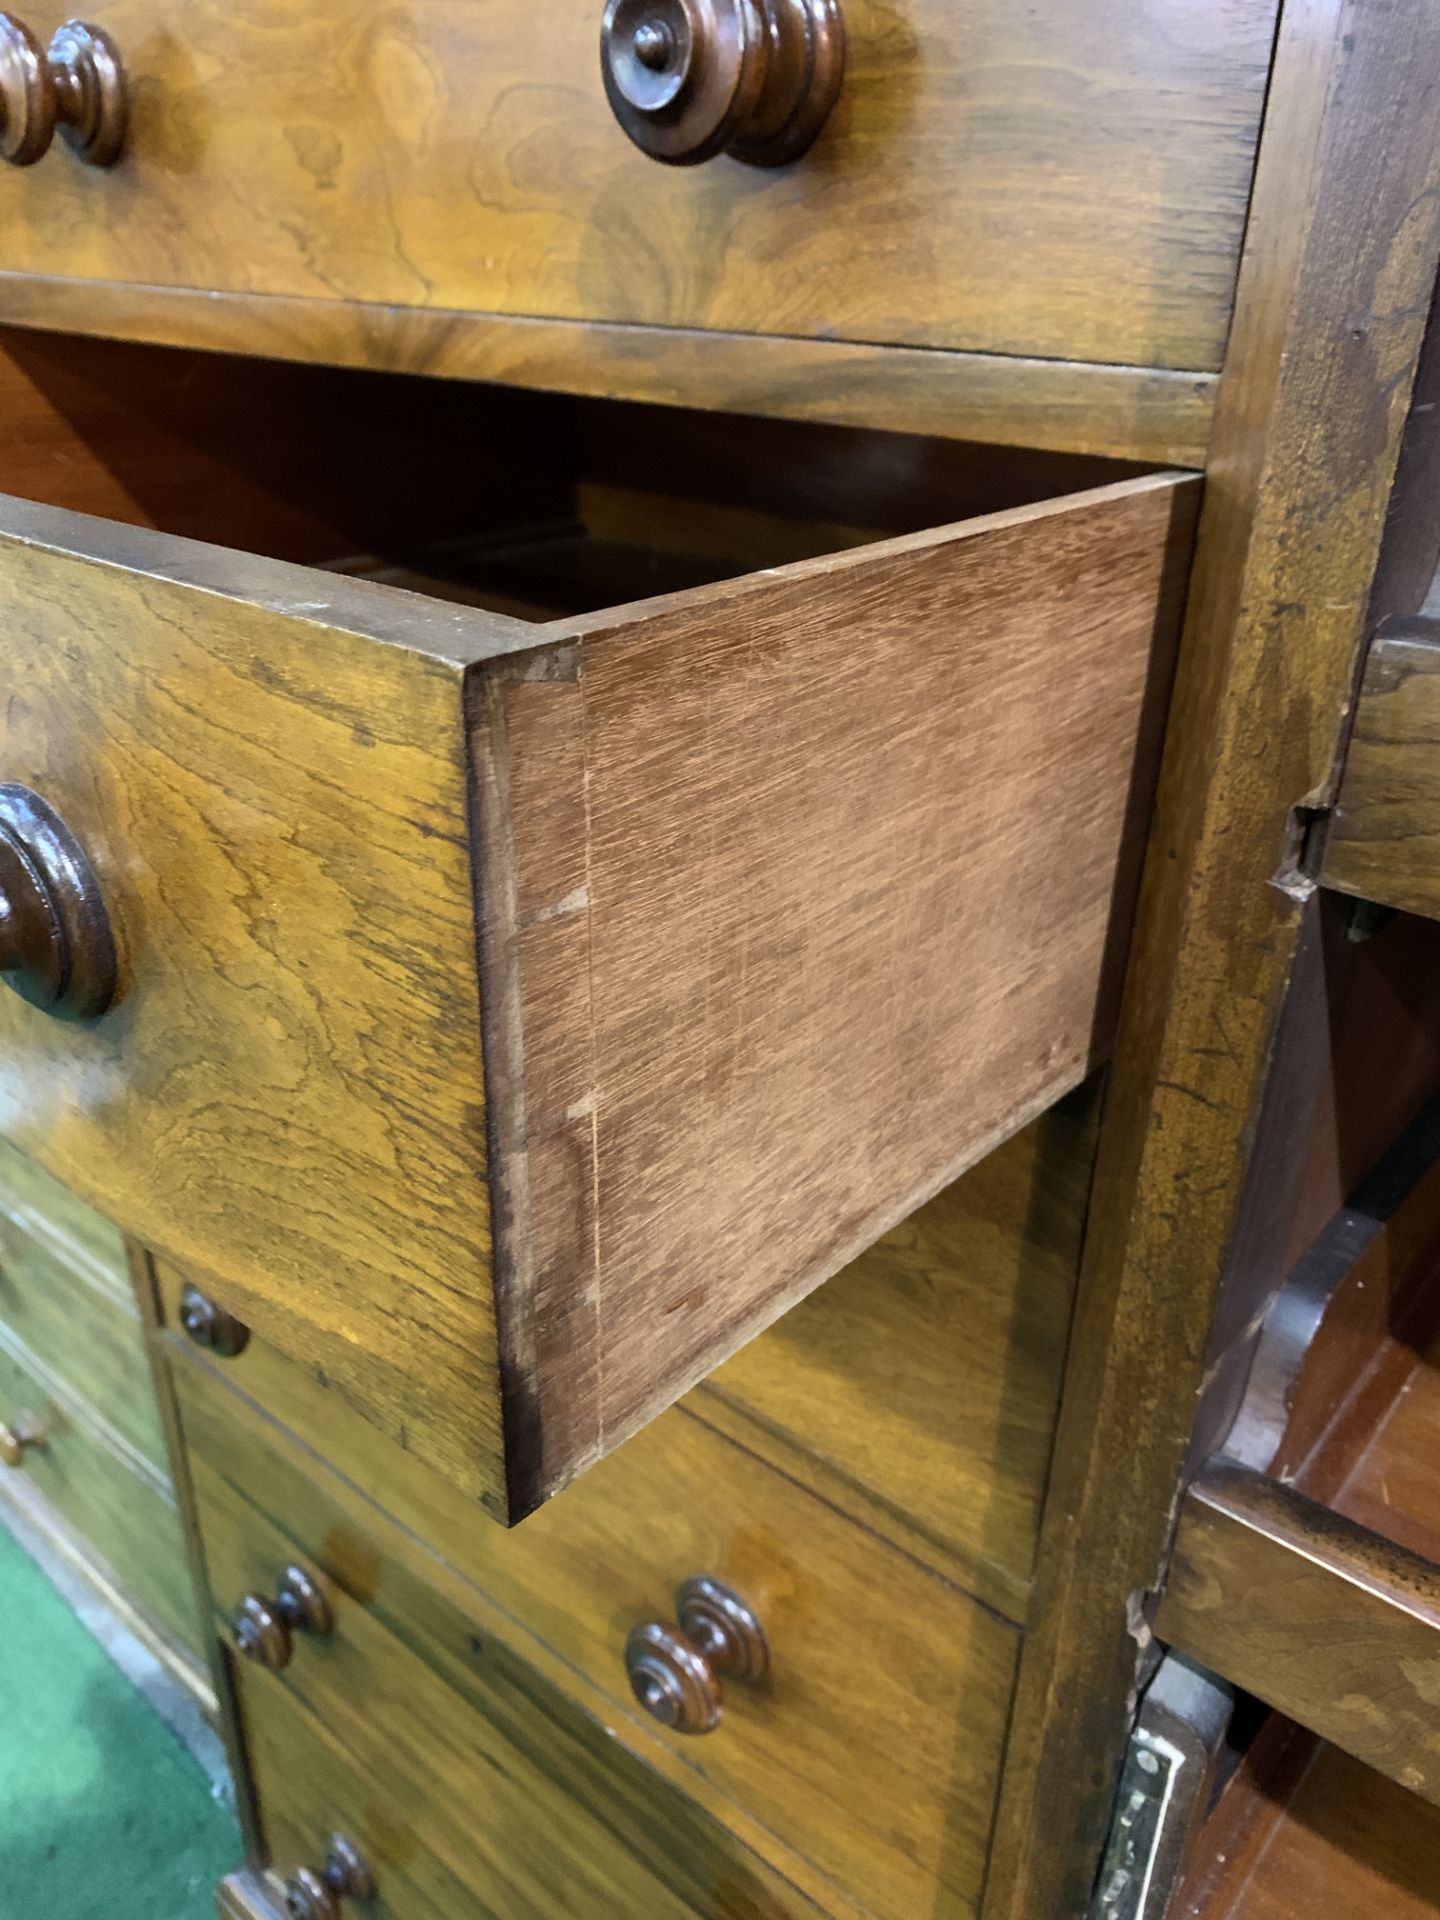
[[75, 87]]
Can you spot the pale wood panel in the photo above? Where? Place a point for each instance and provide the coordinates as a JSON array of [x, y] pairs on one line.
[[1125, 413], [288, 1092], [115, 1501], [1058, 181], [48, 1211], [838, 943], [872, 1751], [1384, 834], [81, 1332], [806, 793]]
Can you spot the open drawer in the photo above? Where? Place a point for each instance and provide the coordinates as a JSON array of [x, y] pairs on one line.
[[542, 962]]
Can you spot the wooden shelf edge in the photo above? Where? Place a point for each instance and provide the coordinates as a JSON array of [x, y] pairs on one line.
[[1316, 1615], [1151, 415]]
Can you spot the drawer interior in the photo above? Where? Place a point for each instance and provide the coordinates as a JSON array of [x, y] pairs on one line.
[[529, 504]]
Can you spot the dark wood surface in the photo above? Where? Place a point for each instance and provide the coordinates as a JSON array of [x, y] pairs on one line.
[[1315, 1832], [1331, 309], [1055, 182]]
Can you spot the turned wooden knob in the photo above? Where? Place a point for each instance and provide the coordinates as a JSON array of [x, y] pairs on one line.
[[210, 1326], [76, 85], [688, 79], [316, 1896], [265, 1629], [56, 949], [675, 1671], [18, 1438]]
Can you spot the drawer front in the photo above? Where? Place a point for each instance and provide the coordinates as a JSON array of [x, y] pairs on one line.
[[68, 1317], [50, 1212], [872, 1747], [1059, 181], [120, 1506], [509, 1807], [471, 1784], [773, 939]]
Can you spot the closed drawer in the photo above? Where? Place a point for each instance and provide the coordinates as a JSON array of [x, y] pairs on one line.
[[872, 1746], [510, 1808], [65, 1313], [118, 1502], [469, 1780], [514, 1016], [50, 1212], [1057, 181]]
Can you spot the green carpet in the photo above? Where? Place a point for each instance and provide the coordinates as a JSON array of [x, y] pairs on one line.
[[103, 1814]]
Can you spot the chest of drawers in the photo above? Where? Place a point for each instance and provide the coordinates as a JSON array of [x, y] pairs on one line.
[[580, 737]]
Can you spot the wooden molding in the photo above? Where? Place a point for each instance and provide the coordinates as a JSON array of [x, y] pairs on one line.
[[1326, 1621], [1335, 287], [1147, 414]]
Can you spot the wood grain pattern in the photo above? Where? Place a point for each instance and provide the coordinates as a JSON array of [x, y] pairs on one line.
[[512, 1808], [1383, 841], [146, 1290], [872, 1751], [1342, 1840], [1121, 412], [268, 769], [286, 1094], [919, 1388], [455, 1564], [915, 1391], [1055, 182], [715, 1136], [1331, 310], [1324, 1620]]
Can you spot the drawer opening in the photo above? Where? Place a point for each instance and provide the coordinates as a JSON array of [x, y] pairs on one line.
[[515, 1016], [533, 505]]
